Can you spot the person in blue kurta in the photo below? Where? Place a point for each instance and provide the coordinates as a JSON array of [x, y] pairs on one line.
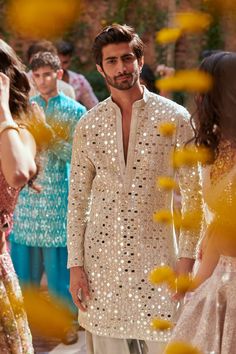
[[38, 240]]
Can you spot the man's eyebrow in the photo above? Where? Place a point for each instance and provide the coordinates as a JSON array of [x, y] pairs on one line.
[[109, 58]]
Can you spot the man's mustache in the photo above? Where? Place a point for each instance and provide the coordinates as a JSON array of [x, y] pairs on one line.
[[123, 76]]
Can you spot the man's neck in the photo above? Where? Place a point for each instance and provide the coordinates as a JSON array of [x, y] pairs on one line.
[[50, 95], [65, 76], [125, 99]]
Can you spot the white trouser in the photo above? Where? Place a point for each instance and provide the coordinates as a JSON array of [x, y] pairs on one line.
[[106, 345]]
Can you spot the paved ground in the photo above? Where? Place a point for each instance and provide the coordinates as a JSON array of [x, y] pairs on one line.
[[43, 346]]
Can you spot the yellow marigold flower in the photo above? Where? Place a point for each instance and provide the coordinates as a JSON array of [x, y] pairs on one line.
[[193, 21], [189, 156], [166, 183], [177, 219], [186, 80], [168, 35], [167, 128], [159, 324], [103, 23], [163, 216], [191, 220], [48, 316], [181, 348], [188, 220], [184, 283], [161, 275], [42, 18]]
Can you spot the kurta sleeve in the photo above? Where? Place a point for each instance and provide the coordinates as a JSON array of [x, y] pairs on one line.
[[191, 196], [82, 175]]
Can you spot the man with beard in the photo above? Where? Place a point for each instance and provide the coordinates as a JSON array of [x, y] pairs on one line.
[[113, 242]]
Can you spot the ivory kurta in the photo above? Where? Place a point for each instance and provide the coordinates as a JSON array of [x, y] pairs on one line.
[[110, 220]]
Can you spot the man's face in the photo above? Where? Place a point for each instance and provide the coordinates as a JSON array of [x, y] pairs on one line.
[[45, 79], [120, 67], [65, 61]]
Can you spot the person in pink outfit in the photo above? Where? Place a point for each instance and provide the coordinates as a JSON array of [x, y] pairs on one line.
[[83, 90]]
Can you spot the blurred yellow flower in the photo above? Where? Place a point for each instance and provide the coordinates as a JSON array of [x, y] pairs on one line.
[[183, 283], [166, 183], [161, 275], [159, 324], [193, 21], [163, 216], [188, 220], [168, 35], [42, 18], [167, 128], [186, 80], [191, 155], [103, 23], [47, 316], [181, 348]]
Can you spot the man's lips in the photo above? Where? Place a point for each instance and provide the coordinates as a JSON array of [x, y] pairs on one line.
[[123, 77]]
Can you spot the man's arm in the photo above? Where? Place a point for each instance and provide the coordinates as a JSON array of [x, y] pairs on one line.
[[87, 96], [82, 175], [191, 196]]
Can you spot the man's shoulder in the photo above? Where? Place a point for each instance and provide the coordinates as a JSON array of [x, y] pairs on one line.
[[76, 76], [91, 116], [168, 106], [35, 98], [69, 103]]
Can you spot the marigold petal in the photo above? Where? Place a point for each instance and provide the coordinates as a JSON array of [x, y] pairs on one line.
[[161, 275], [159, 324], [41, 18], [193, 21], [163, 216], [168, 35], [186, 80], [181, 348], [167, 128]]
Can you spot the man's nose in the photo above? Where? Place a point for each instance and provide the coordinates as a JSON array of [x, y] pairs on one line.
[[41, 80], [121, 67]]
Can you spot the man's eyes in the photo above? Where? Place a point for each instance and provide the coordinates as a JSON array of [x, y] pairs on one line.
[[111, 61], [128, 58]]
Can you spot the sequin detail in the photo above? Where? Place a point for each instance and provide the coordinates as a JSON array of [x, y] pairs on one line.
[[224, 162], [15, 337], [211, 311], [8, 199], [110, 226]]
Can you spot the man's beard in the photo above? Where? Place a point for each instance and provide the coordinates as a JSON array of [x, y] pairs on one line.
[[128, 82]]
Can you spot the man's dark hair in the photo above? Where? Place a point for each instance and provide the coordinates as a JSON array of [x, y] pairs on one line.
[[115, 34], [42, 59], [65, 48], [40, 46]]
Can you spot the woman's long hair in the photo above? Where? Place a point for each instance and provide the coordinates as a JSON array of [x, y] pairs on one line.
[[215, 116], [11, 66]]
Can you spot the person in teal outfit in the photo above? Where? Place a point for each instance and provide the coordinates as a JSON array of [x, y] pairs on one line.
[[38, 240]]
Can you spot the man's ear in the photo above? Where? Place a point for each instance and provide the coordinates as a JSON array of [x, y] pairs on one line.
[[141, 62], [100, 70], [59, 74]]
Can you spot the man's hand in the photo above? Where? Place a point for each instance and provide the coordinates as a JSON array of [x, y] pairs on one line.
[[79, 287], [183, 266]]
